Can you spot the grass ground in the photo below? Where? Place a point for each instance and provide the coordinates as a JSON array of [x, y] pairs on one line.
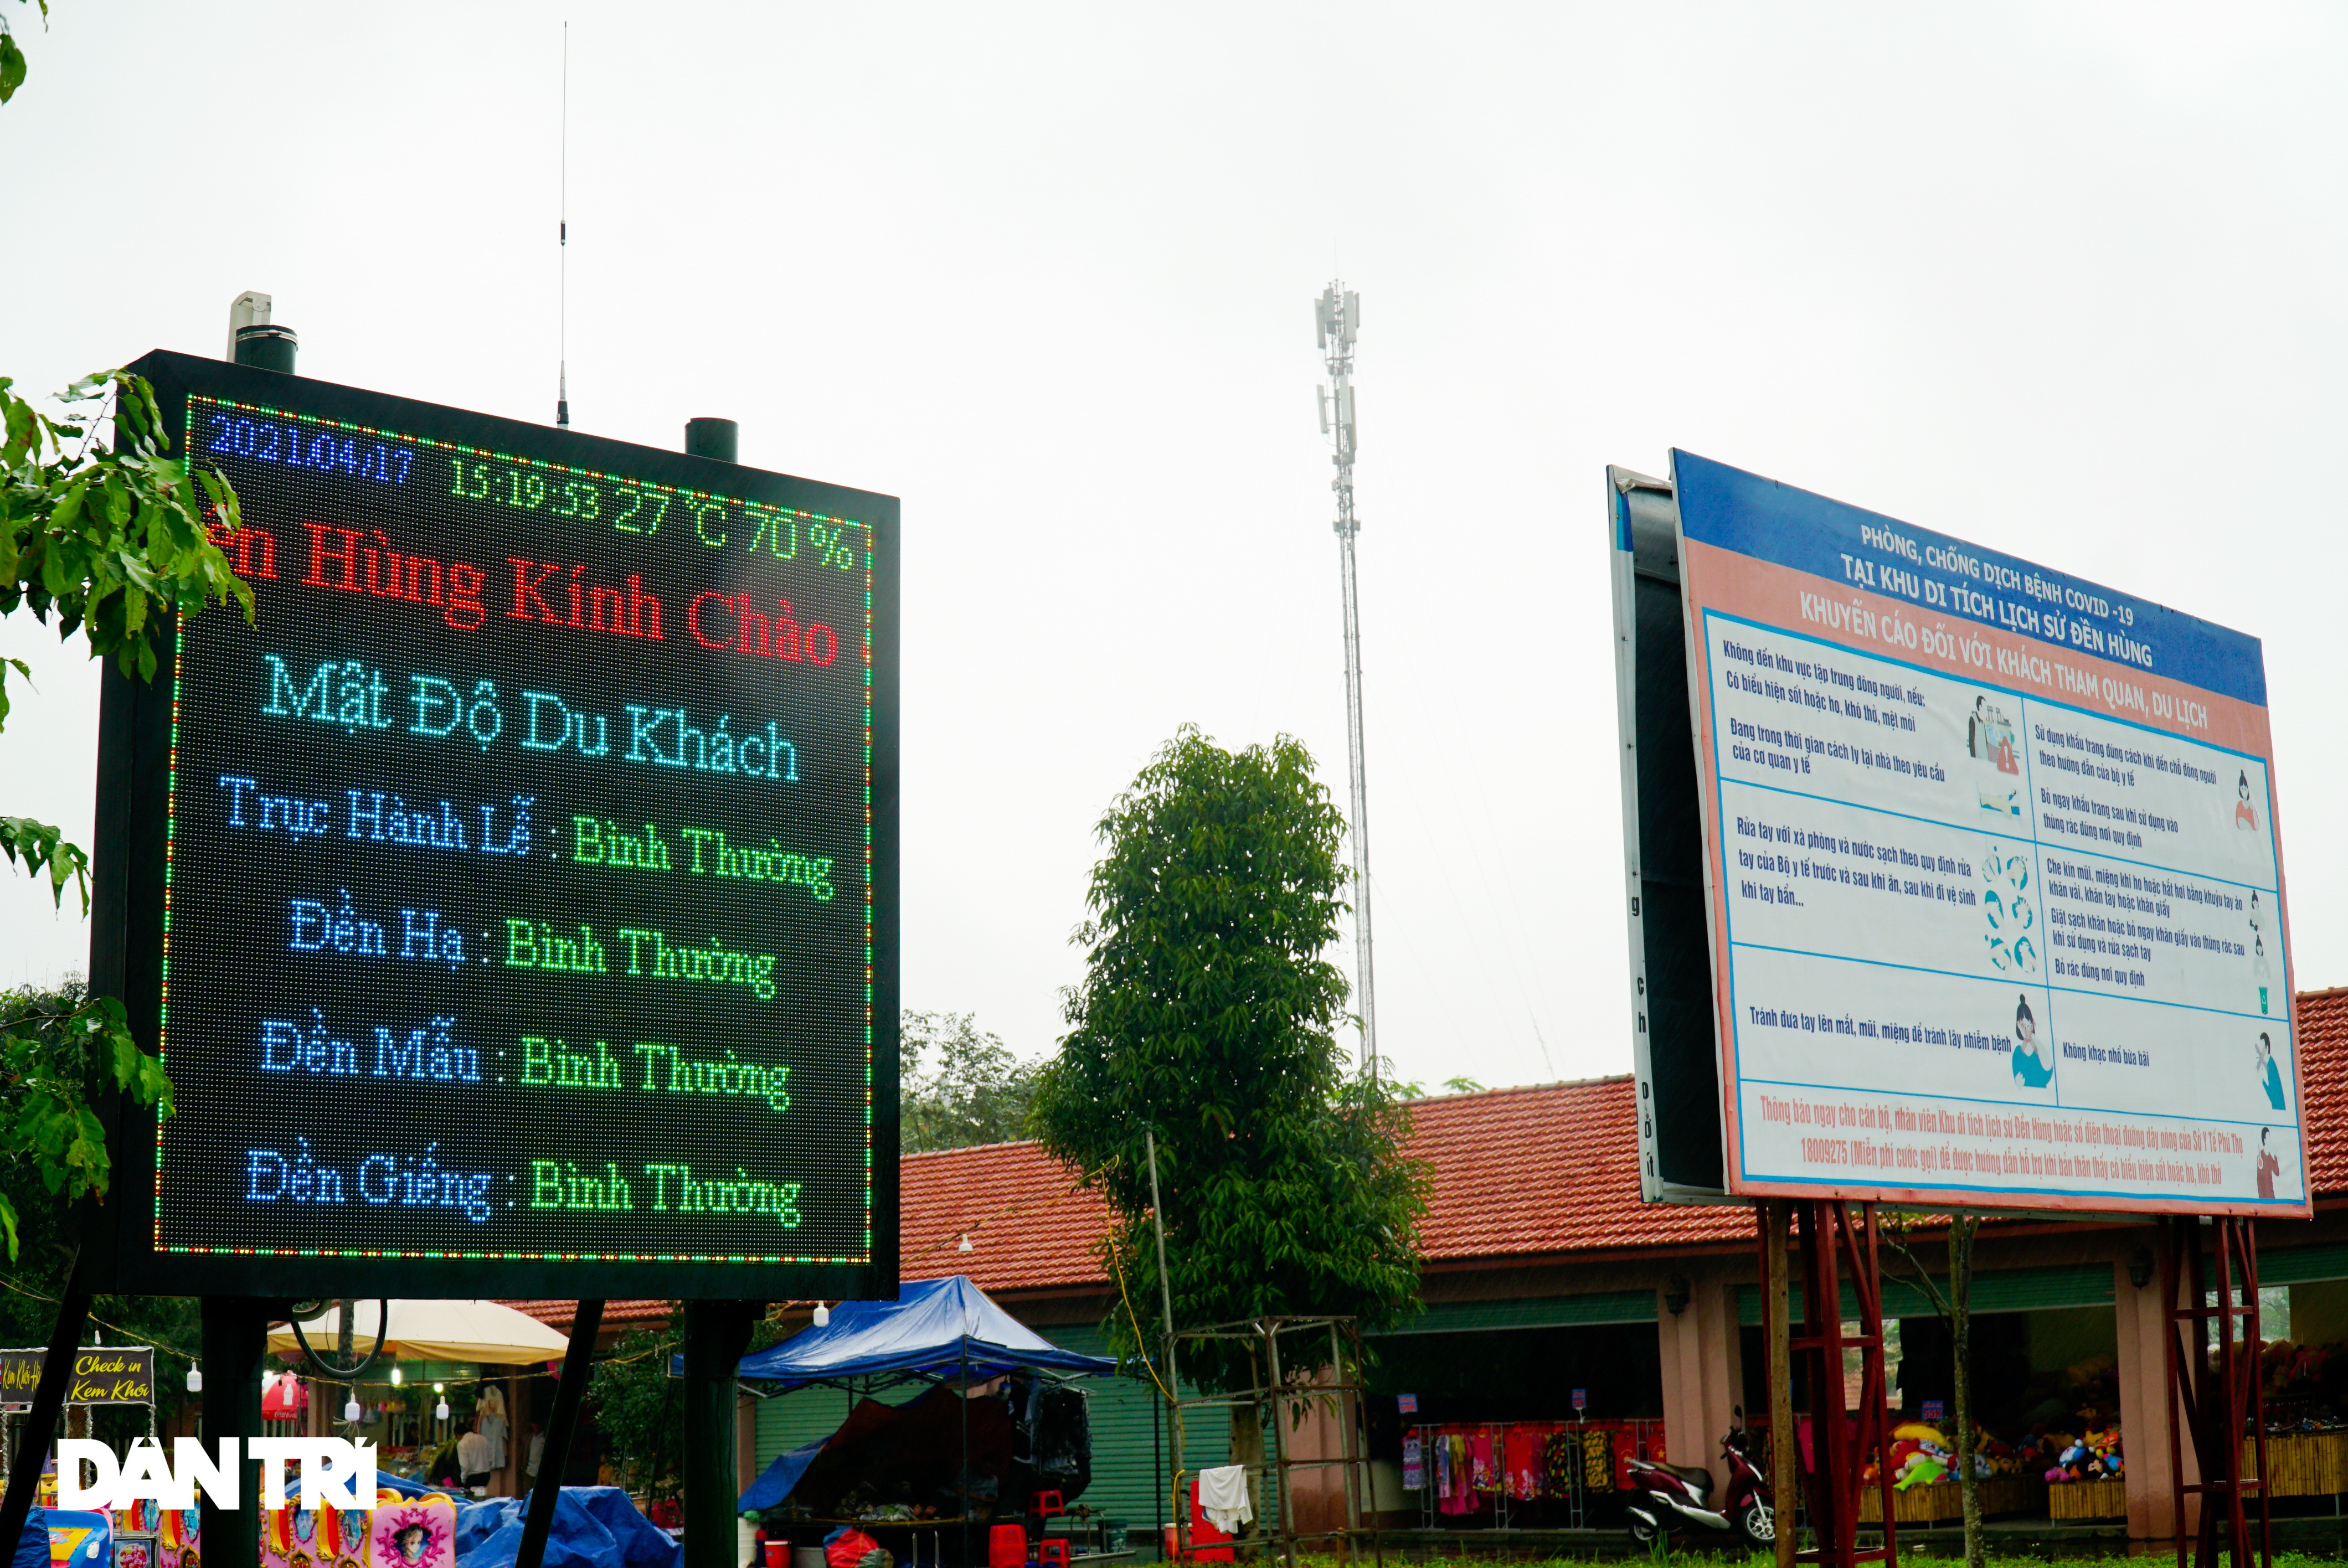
[[1935, 1551]]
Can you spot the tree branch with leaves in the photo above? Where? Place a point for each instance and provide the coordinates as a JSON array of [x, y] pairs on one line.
[[109, 541]]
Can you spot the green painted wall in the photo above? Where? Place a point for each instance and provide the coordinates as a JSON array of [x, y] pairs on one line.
[[1534, 1312], [1995, 1290]]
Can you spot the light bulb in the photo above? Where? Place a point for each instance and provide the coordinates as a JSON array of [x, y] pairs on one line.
[[351, 1411], [822, 1315], [195, 1378], [397, 1376], [440, 1388]]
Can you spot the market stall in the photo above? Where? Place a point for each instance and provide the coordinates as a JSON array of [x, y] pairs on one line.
[[996, 1434], [444, 1369]]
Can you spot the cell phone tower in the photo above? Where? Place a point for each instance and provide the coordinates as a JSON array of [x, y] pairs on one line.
[[1336, 319]]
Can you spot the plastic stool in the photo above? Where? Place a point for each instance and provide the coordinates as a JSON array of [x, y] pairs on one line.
[[1046, 1505], [1052, 1549], [1006, 1546]]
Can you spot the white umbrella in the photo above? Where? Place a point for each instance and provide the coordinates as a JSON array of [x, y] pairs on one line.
[[434, 1331]]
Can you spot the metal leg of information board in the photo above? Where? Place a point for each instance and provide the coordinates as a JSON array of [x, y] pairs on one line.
[[715, 1334], [562, 1430], [2217, 1386], [49, 1398], [1836, 1234], [236, 1338], [1777, 1217]]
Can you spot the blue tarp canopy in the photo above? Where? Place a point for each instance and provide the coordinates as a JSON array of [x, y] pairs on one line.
[[936, 1329]]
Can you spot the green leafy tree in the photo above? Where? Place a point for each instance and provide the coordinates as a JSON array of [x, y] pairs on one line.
[[959, 1086], [639, 1408], [1207, 1015], [37, 1277], [108, 541]]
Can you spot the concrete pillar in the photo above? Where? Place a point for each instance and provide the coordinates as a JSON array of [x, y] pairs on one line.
[[2145, 1410], [1704, 1374]]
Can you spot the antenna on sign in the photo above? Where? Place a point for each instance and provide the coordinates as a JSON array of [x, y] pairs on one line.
[[562, 249]]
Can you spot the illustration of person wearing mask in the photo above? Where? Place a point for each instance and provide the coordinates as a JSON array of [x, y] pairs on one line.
[[2031, 1065], [2244, 817], [2270, 1072], [2268, 1167], [1989, 736], [2259, 969]]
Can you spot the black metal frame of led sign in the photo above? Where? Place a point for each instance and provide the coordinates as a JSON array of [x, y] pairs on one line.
[[516, 902]]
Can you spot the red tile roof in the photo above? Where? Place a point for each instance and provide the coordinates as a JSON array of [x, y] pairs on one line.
[[2321, 1018], [1030, 1226], [1548, 1169], [1517, 1171], [623, 1314], [1518, 1174]]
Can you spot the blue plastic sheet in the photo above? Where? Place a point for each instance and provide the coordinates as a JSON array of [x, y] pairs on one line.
[[774, 1482], [33, 1547], [595, 1527], [477, 1521]]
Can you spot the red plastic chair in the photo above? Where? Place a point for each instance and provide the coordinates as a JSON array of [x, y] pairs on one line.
[[1006, 1546]]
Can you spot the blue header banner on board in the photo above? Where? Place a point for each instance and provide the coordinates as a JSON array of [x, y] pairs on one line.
[[1867, 551]]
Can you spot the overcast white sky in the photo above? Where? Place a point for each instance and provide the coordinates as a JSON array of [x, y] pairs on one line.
[[2065, 279]]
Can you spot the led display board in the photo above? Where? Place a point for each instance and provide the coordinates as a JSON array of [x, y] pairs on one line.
[[514, 902], [1991, 872]]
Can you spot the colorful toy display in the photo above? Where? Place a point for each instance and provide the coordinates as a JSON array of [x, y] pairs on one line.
[[343, 1538], [418, 1532], [80, 1540], [2093, 1456], [178, 1544]]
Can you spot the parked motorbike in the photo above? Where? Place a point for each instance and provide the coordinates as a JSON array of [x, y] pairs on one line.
[[1670, 1498]]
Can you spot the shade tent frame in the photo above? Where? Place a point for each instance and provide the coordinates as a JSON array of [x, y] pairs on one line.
[[1270, 1389]]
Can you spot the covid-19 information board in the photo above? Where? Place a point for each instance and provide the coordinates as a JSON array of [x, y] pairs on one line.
[[1994, 882], [514, 900]]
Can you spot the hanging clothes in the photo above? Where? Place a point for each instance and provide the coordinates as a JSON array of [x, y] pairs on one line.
[[1484, 1464], [1560, 1464], [1459, 1487], [1521, 1462], [1598, 1450], [492, 1408]]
